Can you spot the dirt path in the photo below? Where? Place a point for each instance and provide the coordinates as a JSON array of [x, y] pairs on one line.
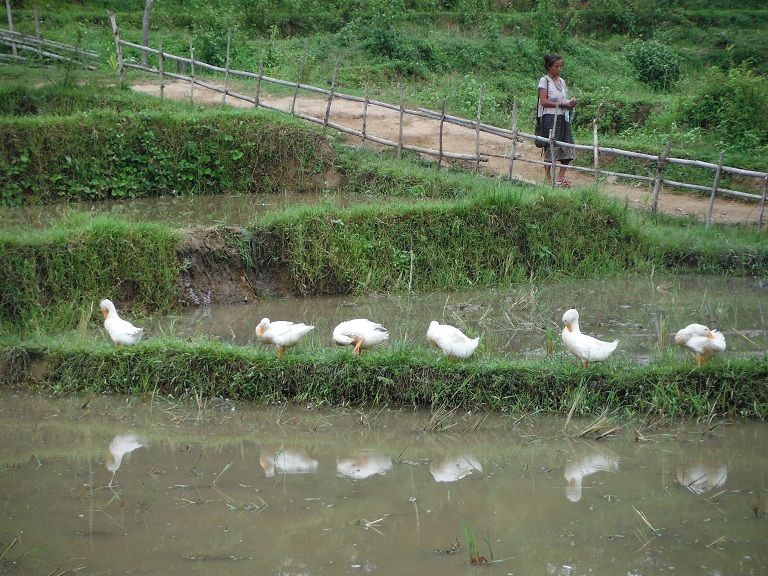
[[417, 131]]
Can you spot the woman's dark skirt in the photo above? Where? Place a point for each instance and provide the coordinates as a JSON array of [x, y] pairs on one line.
[[563, 134]]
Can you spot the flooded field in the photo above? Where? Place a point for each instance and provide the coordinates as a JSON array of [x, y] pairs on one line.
[[642, 313], [112, 485], [183, 212]]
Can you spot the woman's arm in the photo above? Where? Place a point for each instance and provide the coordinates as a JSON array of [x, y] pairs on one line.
[[547, 103]]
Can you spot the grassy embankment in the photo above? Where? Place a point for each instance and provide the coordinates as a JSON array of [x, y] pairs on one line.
[[471, 232]]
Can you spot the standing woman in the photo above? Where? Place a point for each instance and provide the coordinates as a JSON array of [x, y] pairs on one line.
[[553, 93]]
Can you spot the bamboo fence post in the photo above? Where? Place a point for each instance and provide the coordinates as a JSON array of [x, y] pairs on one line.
[[552, 138], [258, 84], [10, 23], [301, 73], [762, 205], [400, 134], [118, 48], [442, 122], [365, 115], [160, 67], [596, 150], [658, 179], [330, 95], [191, 71], [514, 140], [226, 67], [714, 191], [477, 128], [37, 24]]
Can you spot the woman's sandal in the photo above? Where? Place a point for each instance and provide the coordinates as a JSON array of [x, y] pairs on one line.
[[564, 183]]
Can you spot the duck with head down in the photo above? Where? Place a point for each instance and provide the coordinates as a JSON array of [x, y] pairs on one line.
[[281, 333], [452, 341], [360, 333], [702, 341]]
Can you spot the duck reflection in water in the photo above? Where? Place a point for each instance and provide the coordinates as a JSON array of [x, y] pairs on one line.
[[702, 477], [363, 464], [576, 470], [121, 445], [453, 469], [287, 461]]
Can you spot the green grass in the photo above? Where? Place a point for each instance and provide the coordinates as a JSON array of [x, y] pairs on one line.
[[397, 376]]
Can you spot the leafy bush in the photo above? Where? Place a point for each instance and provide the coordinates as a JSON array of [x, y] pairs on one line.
[[654, 63], [733, 105]]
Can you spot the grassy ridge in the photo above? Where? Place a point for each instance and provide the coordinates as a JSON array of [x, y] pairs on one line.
[[111, 155], [396, 376], [494, 238], [47, 278], [501, 235]]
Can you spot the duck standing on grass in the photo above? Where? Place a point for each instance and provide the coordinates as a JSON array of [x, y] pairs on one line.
[[281, 333], [704, 342], [360, 333], [452, 341], [585, 348], [121, 331]]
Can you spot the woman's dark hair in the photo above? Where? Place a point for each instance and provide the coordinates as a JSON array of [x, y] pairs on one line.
[[550, 59]]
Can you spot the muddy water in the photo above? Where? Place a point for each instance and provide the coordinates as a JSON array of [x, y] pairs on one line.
[[118, 485], [183, 212], [642, 313]]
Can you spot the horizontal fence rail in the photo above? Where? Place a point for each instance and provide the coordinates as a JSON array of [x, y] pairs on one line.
[[38, 48]]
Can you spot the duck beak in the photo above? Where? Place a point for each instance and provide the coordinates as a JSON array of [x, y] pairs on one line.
[[710, 335], [105, 313], [569, 327], [259, 330]]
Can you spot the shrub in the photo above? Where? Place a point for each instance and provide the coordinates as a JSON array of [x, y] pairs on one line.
[[733, 105], [654, 63]]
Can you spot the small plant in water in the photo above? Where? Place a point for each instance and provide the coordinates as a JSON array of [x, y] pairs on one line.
[[474, 556], [549, 344]]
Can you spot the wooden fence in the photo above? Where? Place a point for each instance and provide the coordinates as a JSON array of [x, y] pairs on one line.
[[25, 47], [512, 135]]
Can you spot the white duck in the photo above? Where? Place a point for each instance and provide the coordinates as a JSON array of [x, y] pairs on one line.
[[704, 342], [360, 333], [121, 331], [585, 348], [281, 333], [452, 341]]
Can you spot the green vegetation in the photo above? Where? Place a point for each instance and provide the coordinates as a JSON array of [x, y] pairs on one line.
[[498, 236], [397, 376], [659, 58], [690, 74], [109, 154]]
